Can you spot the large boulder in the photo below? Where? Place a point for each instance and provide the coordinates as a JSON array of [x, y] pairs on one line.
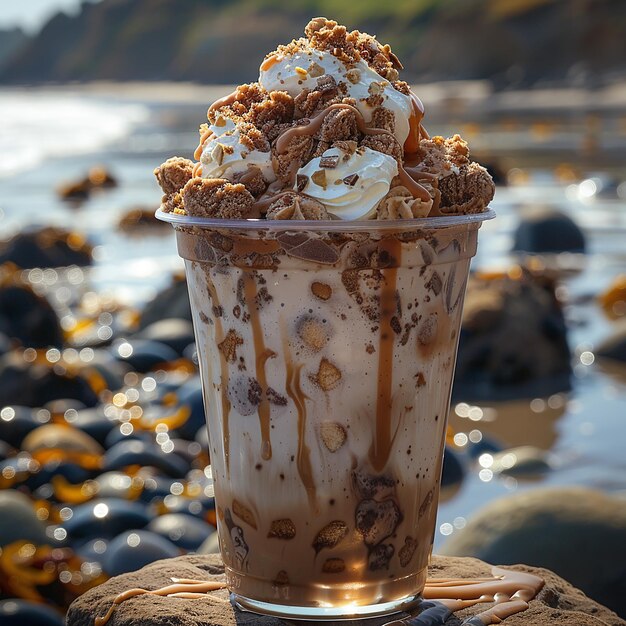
[[578, 533], [172, 302], [557, 604], [513, 341], [544, 230]]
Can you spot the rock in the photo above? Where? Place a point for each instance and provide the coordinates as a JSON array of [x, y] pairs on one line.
[[97, 178], [137, 452], [140, 221], [185, 531], [513, 341], [485, 445], [190, 395], [557, 604], [46, 247], [546, 230], [521, 462], [174, 333], [452, 471], [143, 355], [172, 302], [27, 318], [16, 612], [59, 436], [134, 549], [578, 533], [16, 422], [18, 520], [72, 473], [614, 346], [33, 385], [93, 422]]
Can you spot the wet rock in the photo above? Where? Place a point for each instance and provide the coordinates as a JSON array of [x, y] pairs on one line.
[[521, 462], [453, 470], [18, 520], [486, 445], [16, 422], [16, 612], [105, 517], [117, 434], [172, 302], [72, 472], [185, 531], [141, 221], [144, 453], [546, 230], [175, 333], [59, 436], [134, 549], [79, 190], [93, 550], [6, 450], [93, 422], [614, 346], [28, 319], [32, 385], [558, 604], [114, 485], [578, 533], [513, 341], [202, 437], [46, 247], [143, 355], [190, 395]]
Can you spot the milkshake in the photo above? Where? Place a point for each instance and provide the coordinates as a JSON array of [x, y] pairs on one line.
[[327, 242]]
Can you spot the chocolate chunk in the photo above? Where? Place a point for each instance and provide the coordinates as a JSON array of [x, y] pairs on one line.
[[273, 397], [333, 435], [380, 556], [426, 502], [301, 181], [377, 520], [282, 529], [244, 513], [435, 284], [330, 161], [407, 551], [369, 486], [330, 535], [351, 180], [327, 377], [333, 566], [420, 381], [321, 290], [428, 330]]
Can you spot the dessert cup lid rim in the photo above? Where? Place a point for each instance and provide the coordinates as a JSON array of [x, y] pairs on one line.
[[325, 225]]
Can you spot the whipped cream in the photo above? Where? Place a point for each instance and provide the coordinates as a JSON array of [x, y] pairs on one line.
[[353, 188], [301, 70], [223, 155]]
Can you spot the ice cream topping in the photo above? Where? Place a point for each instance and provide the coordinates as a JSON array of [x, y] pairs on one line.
[[330, 122]]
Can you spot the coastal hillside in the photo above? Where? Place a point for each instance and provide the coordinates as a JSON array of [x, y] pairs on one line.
[[512, 42]]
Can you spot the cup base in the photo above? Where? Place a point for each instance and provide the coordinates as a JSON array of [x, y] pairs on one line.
[[322, 613]]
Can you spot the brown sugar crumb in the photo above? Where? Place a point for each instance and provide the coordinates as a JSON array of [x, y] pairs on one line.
[[172, 176], [228, 347], [312, 333], [244, 513], [251, 137], [293, 206], [338, 125], [269, 114], [321, 290], [252, 180], [385, 143], [333, 566], [282, 529], [297, 153], [244, 97], [327, 35], [402, 87], [440, 155], [333, 435], [217, 198], [469, 191], [330, 535], [327, 377]]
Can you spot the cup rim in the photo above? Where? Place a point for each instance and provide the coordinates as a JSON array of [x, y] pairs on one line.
[[423, 223]]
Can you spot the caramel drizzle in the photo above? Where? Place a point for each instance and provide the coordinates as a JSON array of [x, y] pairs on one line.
[[231, 98], [262, 354], [282, 143], [299, 398], [381, 446], [203, 139], [182, 588], [219, 332], [197, 170], [510, 590]]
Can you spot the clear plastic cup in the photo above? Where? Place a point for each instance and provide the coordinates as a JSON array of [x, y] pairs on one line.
[[327, 353]]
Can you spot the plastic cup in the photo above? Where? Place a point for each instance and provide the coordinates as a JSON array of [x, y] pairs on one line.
[[327, 353]]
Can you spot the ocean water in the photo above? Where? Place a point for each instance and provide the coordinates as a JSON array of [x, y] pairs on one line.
[[49, 137]]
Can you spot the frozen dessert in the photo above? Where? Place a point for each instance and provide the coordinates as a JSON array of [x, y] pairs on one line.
[[329, 131], [326, 348]]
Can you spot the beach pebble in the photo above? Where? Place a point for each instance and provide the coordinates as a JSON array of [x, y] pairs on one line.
[[59, 436], [172, 302], [93, 550], [28, 318], [92, 422], [72, 472], [175, 333], [6, 451], [18, 519], [105, 517], [16, 422], [46, 247], [114, 485], [486, 444], [185, 531], [576, 532], [613, 347], [190, 395], [118, 434], [453, 470], [143, 355], [137, 452], [134, 549], [543, 229], [14, 612]]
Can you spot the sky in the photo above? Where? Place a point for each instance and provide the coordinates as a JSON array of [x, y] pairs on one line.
[[31, 15]]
